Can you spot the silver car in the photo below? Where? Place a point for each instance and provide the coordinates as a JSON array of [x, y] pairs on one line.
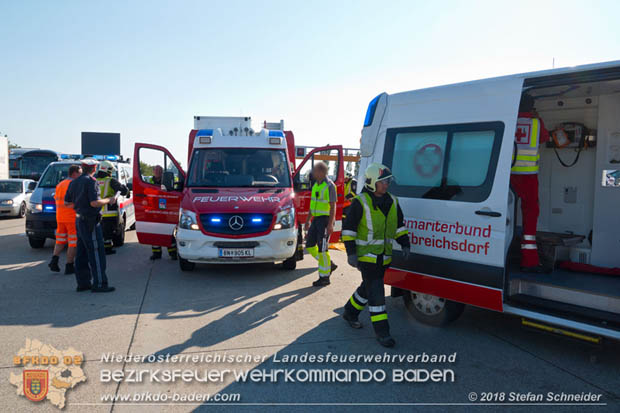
[[14, 196]]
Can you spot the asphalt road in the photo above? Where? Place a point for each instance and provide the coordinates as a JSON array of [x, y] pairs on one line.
[[258, 310]]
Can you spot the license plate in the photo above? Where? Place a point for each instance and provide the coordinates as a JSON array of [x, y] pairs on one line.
[[236, 252]]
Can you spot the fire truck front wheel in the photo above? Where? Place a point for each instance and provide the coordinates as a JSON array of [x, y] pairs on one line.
[[186, 265], [432, 310]]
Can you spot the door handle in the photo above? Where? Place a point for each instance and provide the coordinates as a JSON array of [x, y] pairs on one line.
[[489, 213]]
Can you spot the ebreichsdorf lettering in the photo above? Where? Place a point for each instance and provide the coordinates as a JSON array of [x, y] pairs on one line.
[[241, 198]]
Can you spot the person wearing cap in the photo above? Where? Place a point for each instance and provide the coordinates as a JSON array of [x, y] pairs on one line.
[[373, 222], [90, 260], [108, 187], [65, 224]]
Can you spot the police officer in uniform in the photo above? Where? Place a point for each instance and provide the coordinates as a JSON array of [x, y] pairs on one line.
[[90, 260], [156, 179], [322, 212], [108, 187], [374, 220]]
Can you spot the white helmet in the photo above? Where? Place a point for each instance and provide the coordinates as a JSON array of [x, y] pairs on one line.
[[107, 167], [375, 173]]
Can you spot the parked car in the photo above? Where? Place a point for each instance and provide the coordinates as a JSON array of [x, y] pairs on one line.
[[14, 196]]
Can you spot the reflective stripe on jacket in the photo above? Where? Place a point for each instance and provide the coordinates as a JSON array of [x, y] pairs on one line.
[[527, 137]]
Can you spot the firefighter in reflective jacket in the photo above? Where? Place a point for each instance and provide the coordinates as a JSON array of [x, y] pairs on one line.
[[529, 134], [156, 179], [374, 221], [108, 187], [350, 188], [323, 213]]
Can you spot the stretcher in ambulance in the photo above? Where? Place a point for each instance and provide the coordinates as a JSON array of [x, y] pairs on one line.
[[450, 149], [241, 199]]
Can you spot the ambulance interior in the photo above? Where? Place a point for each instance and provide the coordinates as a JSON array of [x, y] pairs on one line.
[[579, 202]]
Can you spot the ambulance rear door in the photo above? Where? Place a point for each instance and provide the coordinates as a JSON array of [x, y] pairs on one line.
[[450, 151], [333, 157], [156, 206]]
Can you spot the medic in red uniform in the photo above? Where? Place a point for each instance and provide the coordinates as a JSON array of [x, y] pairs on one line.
[[530, 133]]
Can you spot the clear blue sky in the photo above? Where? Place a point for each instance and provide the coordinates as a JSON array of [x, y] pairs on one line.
[[145, 68]]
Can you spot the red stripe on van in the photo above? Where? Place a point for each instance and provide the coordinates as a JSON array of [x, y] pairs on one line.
[[480, 296]]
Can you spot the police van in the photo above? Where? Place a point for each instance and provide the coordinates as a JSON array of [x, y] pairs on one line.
[[243, 198], [41, 209], [450, 149]]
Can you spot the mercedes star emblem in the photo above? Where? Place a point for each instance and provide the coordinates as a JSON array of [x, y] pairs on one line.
[[235, 222]]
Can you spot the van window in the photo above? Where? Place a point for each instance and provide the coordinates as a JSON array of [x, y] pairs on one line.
[[451, 162]]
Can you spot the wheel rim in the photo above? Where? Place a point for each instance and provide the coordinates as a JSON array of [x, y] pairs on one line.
[[428, 304], [22, 210]]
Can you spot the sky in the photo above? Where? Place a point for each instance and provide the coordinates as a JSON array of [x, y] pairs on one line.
[[145, 68]]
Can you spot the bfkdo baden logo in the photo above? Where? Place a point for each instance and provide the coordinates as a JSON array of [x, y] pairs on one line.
[[48, 373]]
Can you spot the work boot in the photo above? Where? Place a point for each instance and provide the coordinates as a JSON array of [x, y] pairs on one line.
[[353, 322], [69, 268], [386, 341], [110, 251], [155, 256], [321, 282], [54, 264], [334, 267], [103, 289], [83, 288]]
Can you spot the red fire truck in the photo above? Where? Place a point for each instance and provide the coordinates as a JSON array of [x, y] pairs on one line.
[[242, 199]]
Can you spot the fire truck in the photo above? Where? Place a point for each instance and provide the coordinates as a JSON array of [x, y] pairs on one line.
[[242, 199], [450, 149]]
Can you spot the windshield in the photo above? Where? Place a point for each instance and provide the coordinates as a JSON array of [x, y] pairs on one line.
[[33, 166], [53, 175], [10, 187], [235, 167]]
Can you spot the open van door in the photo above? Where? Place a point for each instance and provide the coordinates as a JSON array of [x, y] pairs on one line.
[[333, 157], [450, 150], [157, 205]]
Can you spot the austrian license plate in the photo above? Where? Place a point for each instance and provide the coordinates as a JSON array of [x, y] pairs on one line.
[[236, 252]]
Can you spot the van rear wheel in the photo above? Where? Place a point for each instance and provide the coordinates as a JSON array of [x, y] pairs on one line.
[[36, 242], [432, 310]]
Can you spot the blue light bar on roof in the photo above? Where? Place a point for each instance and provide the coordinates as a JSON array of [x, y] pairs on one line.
[[111, 158], [278, 133], [204, 132], [370, 112]]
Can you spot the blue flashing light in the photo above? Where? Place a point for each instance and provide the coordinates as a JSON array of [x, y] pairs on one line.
[[49, 208], [370, 112], [277, 133], [257, 220], [111, 158], [216, 220], [98, 157], [204, 132], [64, 156]]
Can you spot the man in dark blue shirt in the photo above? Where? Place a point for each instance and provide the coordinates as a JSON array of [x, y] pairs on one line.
[[90, 261]]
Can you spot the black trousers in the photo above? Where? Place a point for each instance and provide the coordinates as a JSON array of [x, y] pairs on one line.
[[172, 249], [371, 293]]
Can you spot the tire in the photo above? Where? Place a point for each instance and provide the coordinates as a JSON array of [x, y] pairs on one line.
[[36, 243], [119, 239], [22, 210], [186, 265], [290, 264], [432, 310]]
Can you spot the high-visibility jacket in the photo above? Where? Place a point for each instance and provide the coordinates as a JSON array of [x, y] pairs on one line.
[[319, 202], [375, 231], [106, 191], [347, 191], [527, 140], [63, 213]]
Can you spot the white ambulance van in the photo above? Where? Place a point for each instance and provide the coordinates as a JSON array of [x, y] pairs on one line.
[[450, 149]]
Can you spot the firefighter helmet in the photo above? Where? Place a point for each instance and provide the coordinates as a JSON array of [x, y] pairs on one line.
[[107, 167], [375, 173]]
